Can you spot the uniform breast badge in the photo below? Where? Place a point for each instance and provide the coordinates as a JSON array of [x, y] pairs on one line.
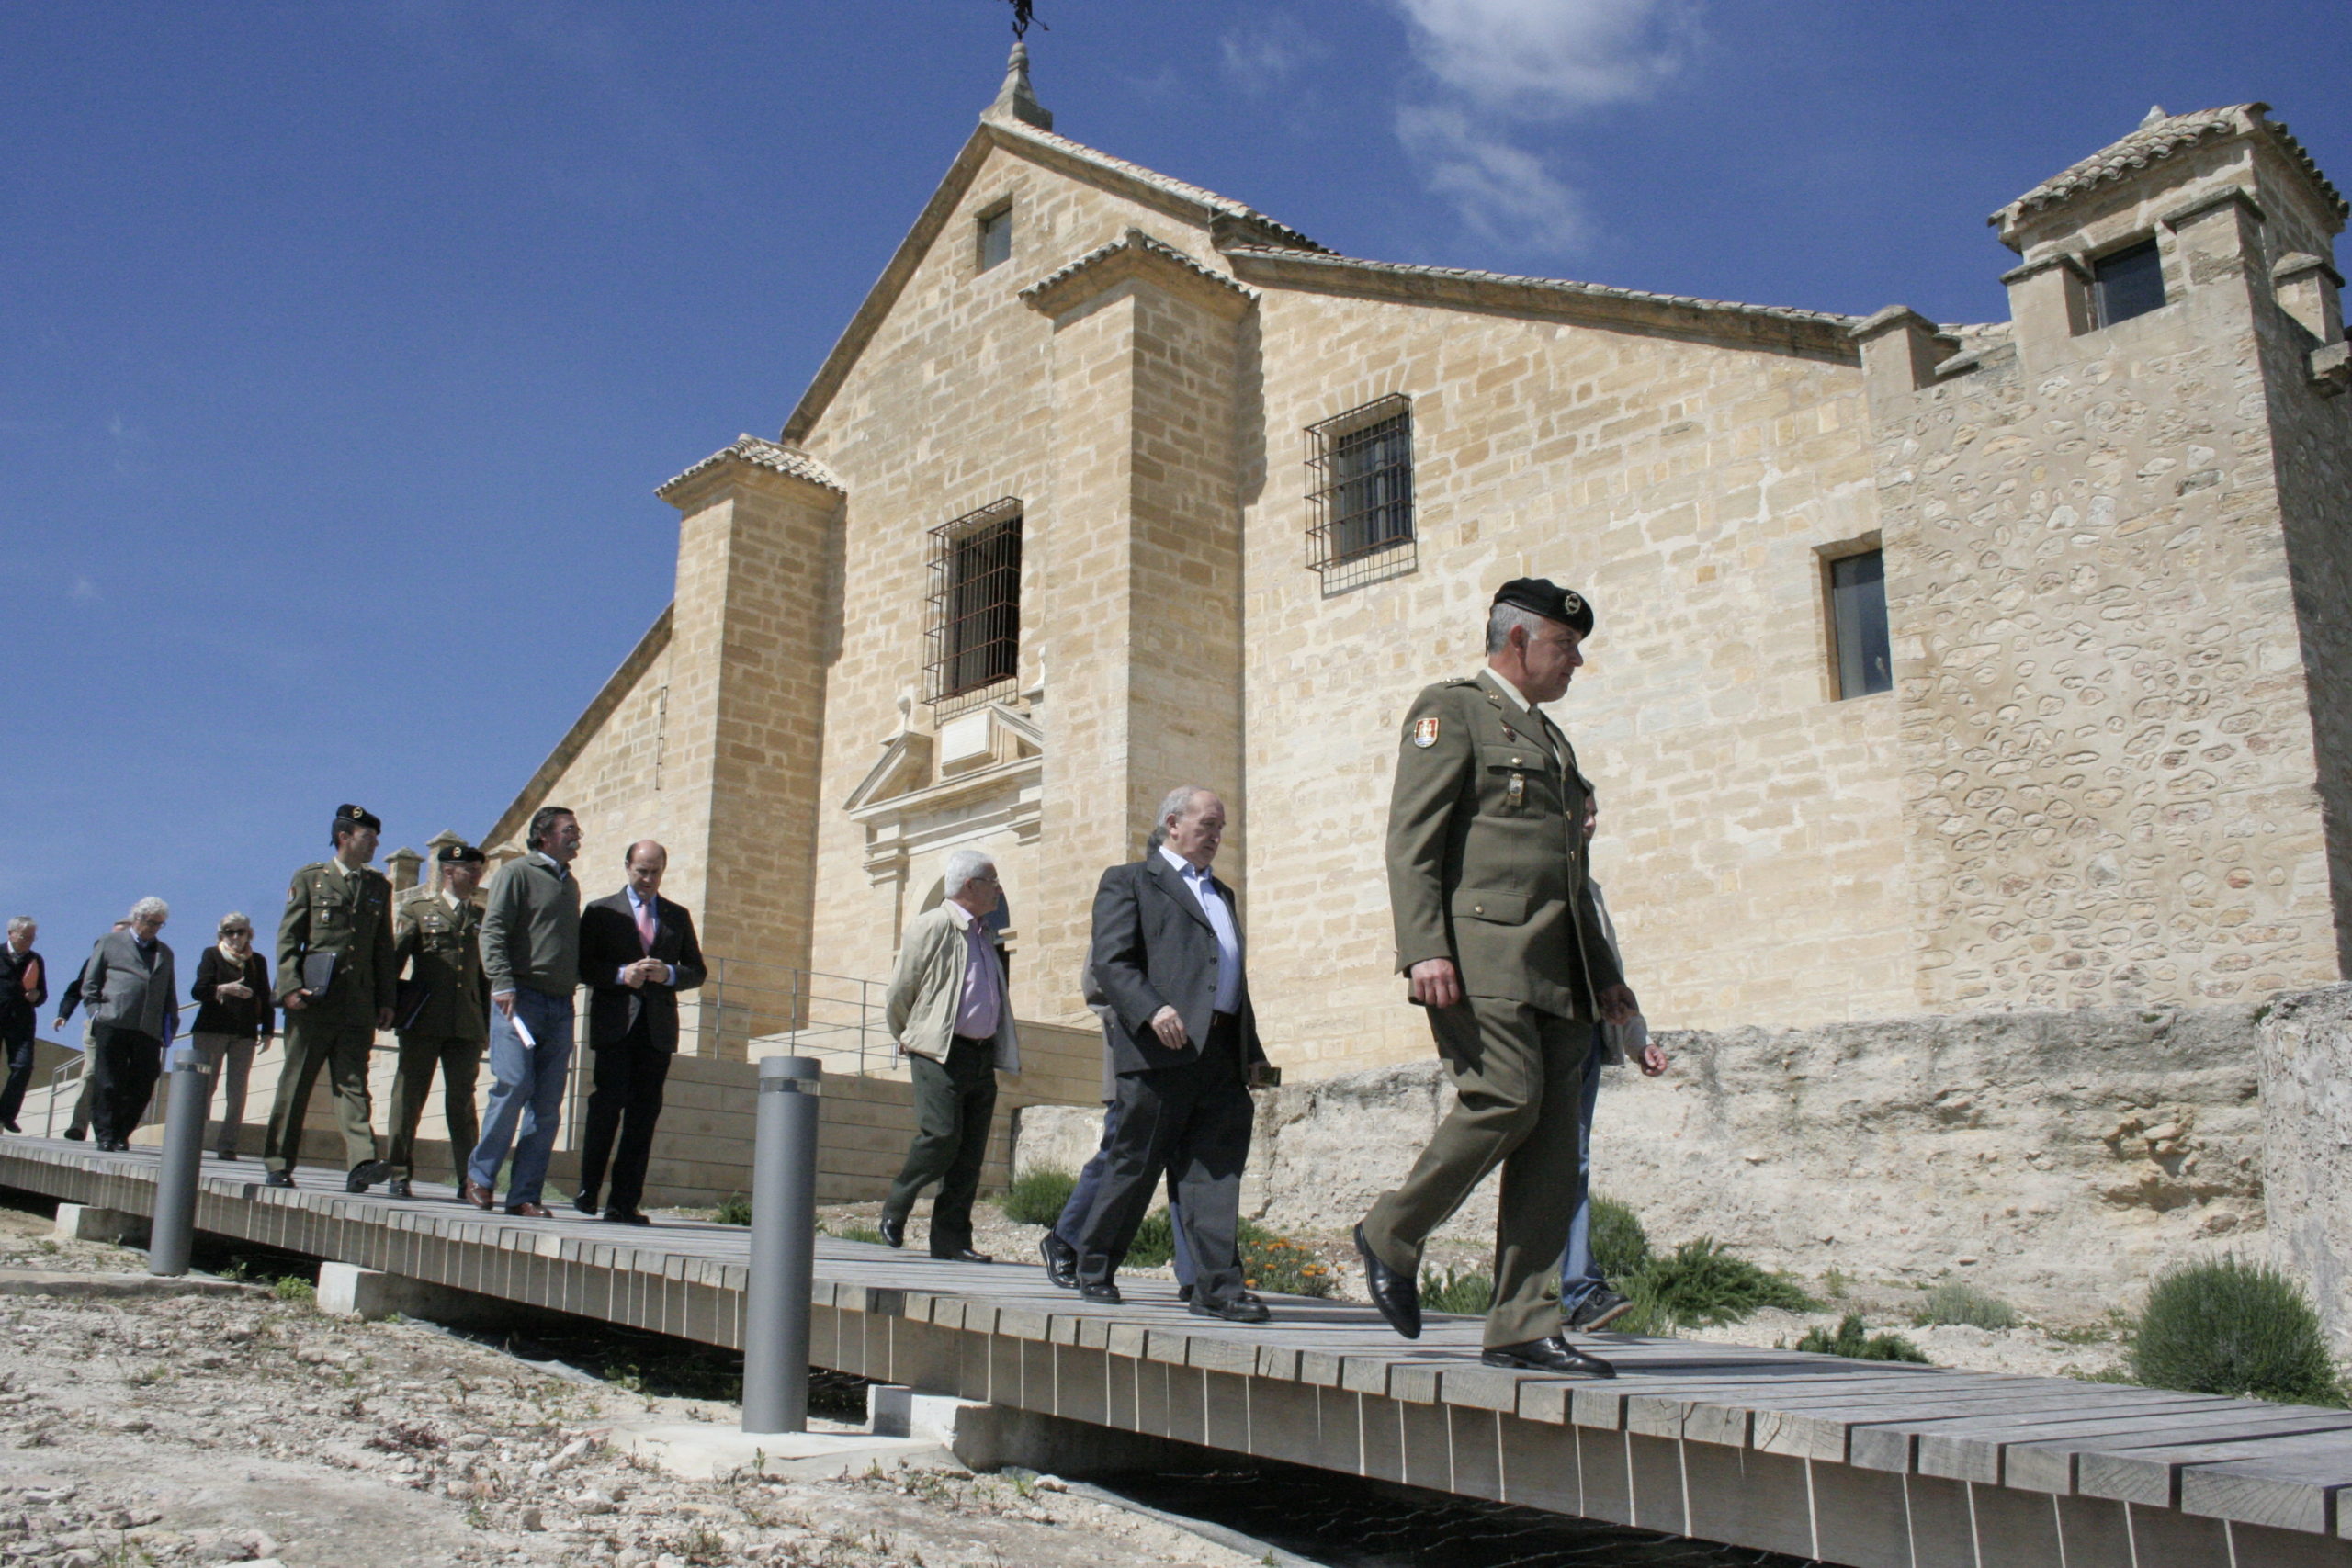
[[1517, 791], [1425, 732]]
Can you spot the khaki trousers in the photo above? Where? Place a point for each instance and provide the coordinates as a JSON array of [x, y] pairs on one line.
[[1519, 1076], [231, 1057], [458, 1061], [341, 1050]]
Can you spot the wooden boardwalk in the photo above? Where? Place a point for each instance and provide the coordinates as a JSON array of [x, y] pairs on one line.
[[1869, 1464]]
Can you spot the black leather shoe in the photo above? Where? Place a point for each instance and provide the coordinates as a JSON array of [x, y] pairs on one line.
[[1183, 1292], [1598, 1311], [228, 1154], [398, 1188], [625, 1217], [1107, 1294], [1554, 1355], [962, 1255], [586, 1203], [278, 1178], [365, 1174], [1398, 1296], [77, 1133], [1243, 1308], [894, 1231], [1061, 1261]]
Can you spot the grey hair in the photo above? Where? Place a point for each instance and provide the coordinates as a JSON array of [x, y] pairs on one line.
[[962, 867], [1177, 802], [1499, 621], [151, 907], [234, 921], [19, 923]]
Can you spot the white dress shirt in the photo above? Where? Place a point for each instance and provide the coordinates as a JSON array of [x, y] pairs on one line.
[[636, 907], [1220, 914]]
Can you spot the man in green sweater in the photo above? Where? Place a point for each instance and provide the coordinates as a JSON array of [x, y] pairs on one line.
[[530, 951]]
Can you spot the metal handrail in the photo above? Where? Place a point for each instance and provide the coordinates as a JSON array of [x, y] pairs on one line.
[[79, 1065]]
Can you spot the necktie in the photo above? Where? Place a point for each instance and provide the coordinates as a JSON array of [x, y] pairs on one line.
[[645, 925]]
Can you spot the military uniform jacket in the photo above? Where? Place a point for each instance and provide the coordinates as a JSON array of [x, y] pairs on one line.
[[442, 948], [1486, 855], [327, 911]]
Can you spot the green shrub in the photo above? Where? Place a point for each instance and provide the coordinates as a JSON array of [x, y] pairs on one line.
[[1276, 1263], [1852, 1341], [1621, 1247], [1037, 1196], [1958, 1304], [1155, 1243], [294, 1288], [736, 1211], [1701, 1282], [2233, 1327], [860, 1232], [1464, 1291]]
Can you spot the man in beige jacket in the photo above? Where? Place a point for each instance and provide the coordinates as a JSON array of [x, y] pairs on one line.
[[948, 1010]]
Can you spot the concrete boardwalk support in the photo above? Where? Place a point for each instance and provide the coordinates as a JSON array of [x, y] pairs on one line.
[[1878, 1465]]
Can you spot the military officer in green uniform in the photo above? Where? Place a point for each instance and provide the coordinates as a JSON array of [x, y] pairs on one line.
[[1500, 937], [438, 944], [334, 980]]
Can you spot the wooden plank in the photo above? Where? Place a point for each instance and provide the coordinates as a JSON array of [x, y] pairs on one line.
[[2046, 1462], [2154, 1477], [1962, 1446]]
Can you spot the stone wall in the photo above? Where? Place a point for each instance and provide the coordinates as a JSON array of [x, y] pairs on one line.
[[2057, 1158], [2307, 1146]]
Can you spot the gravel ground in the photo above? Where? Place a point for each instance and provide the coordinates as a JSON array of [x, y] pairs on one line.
[[246, 1428]]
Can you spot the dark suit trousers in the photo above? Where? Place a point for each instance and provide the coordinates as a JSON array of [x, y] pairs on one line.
[[20, 1075], [955, 1103], [627, 1101], [1082, 1193], [1194, 1120], [126, 1063]]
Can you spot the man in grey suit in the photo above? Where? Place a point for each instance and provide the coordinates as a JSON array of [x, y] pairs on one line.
[[131, 990], [1168, 959]]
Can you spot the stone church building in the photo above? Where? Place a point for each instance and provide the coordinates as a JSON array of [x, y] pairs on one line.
[[1940, 668]]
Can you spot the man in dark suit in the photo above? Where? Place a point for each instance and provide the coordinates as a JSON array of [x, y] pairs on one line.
[[24, 985], [1167, 957], [637, 953]]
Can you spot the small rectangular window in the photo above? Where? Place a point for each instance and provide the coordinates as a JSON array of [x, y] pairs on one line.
[[975, 632], [996, 238], [1858, 624], [1363, 500], [2126, 283]]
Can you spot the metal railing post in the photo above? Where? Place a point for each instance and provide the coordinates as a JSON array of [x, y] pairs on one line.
[[783, 1246], [172, 1231]]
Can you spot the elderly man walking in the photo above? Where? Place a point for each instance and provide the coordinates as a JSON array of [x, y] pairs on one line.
[[132, 989], [948, 1008], [24, 985], [530, 950], [1499, 934]]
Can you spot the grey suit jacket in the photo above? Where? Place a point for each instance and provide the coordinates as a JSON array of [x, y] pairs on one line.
[[125, 989], [1154, 948]]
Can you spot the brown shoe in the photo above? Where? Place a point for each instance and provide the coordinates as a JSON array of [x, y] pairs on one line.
[[529, 1211], [481, 1197]]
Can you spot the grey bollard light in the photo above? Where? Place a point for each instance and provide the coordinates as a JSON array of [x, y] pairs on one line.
[[173, 1230], [783, 1246]]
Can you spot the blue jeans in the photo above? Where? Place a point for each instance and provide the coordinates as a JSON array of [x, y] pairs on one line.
[[527, 1086], [1578, 1277], [1082, 1199]]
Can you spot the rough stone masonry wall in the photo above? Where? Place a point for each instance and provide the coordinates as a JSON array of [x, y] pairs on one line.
[[2307, 1146], [2056, 1158]]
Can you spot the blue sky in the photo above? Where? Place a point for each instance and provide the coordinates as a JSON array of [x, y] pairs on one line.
[[341, 344]]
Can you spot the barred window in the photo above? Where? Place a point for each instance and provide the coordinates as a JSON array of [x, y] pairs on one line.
[[975, 634], [1361, 503]]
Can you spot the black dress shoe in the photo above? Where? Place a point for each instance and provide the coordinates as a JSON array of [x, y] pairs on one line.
[[1183, 1292], [1243, 1308], [77, 1133], [1106, 1294], [10, 1126], [894, 1231], [1598, 1311], [625, 1217], [1554, 1355], [227, 1154], [1061, 1261], [278, 1178], [585, 1202], [1398, 1296], [398, 1188], [963, 1255], [365, 1174]]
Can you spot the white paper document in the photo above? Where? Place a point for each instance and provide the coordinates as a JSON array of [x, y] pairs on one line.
[[522, 1030]]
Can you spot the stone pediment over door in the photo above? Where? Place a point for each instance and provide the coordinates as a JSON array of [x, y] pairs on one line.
[[977, 775]]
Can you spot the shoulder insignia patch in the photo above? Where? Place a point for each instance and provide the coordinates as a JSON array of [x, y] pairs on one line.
[[1425, 732]]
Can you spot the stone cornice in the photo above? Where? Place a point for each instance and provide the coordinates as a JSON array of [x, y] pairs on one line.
[[2066, 259], [755, 458], [1137, 254], [1775, 329], [2229, 195]]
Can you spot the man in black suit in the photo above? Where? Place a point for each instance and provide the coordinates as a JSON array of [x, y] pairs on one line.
[[24, 985], [637, 953], [1167, 957]]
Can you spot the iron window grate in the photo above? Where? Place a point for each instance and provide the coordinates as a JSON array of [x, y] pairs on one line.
[[973, 642], [1361, 505]]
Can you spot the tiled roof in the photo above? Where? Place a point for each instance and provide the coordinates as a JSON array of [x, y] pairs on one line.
[[1134, 239], [1193, 194], [2154, 142], [765, 454]]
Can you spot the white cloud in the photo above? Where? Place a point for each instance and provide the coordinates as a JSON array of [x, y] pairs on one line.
[[1267, 52], [1495, 68]]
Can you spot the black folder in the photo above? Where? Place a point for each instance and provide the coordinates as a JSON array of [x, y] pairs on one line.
[[317, 973], [408, 1002]]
